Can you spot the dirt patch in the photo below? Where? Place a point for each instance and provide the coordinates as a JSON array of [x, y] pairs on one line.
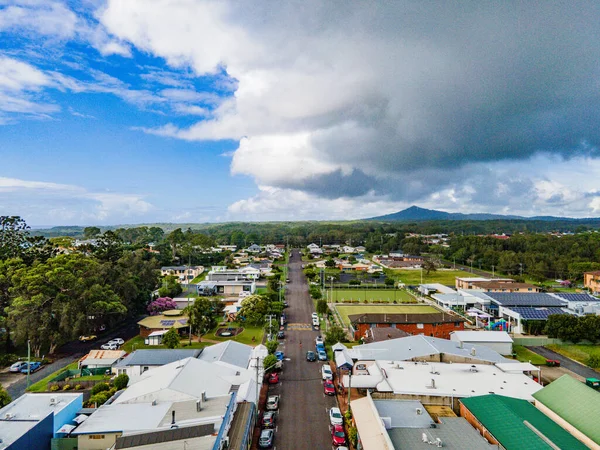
[[229, 332]]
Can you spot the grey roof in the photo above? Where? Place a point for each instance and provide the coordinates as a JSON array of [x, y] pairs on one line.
[[577, 297], [541, 313], [419, 346], [403, 413], [454, 432], [533, 299], [161, 436], [156, 357], [230, 352]]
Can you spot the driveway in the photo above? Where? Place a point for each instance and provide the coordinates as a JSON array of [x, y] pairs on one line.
[[567, 363], [303, 416]]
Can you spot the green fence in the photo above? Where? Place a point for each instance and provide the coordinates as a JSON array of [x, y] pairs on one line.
[[97, 371], [66, 374], [64, 443], [535, 341]]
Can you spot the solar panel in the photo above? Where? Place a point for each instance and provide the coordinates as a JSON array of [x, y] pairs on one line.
[[517, 299], [167, 323], [537, 313], [578, 297], [183, 321]]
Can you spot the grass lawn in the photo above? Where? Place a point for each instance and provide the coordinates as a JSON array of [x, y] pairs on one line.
[[386, 295], [137, 343], [41, 385], [413, 277], [262, 290], [578, 352], [525, 355], [199, 278], [245, 337], [345, 311]]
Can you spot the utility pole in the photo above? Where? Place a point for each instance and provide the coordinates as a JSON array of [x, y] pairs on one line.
[[493, 271], [521, 268], [28, 360]]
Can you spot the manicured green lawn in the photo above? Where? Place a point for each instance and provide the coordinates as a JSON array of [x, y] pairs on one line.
[[137, 343], [200, 277], [578, 352], [262, 290], [385, 295], [525, 355], [41, 385], [345, 311], [413, 277], [245, 337]]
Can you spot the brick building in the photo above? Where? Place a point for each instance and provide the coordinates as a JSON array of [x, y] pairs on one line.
[[429, 324]]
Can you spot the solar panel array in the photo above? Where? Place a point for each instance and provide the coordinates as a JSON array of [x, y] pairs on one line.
[[537, 313], [183, 321], [167, 323], [578, 297], [516, 299]]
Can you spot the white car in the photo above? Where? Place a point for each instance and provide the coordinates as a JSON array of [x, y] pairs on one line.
[[341, 448], [315, 316], [335, 416], [16, 367], [117, 341], [319, 340], [109, 346], [326, 372]]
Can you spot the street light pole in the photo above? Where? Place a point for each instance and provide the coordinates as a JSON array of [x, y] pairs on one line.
[[28, 360]]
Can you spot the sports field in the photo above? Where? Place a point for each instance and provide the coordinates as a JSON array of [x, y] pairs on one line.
[[347, 310], [379, 295], [413, 277]]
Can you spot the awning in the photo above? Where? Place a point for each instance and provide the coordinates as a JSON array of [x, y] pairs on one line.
[[66, 429], [343, 360], [80, 418]]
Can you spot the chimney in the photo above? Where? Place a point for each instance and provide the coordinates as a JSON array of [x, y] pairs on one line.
[[203, 396], [432, 385], [473, 351], [173, 418]]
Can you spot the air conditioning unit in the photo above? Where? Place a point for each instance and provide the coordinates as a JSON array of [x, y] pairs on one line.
[[53, 400]]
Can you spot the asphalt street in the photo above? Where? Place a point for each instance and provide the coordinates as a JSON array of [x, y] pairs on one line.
[[567, 363], [303, 421]]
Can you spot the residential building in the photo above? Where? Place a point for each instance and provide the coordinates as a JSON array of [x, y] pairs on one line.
[[243, 274], [591, 281], [439, 324], [574, 406], [184, 274], [515, 424], [33, 420], [254, 248], [469, 282], [383, 334], [580, 303], [96, 359], [499, 341], [153, 327], [226, 288], [229, 353], [141, 361]]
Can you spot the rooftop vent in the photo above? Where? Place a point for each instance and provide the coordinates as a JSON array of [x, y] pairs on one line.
[[8, 416]]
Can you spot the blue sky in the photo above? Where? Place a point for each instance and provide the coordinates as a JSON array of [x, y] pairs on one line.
[[117, 112]]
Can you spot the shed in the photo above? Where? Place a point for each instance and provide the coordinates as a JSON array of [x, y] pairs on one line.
[[499, 341]]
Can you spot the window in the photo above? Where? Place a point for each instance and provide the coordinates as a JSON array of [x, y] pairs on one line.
[[144, 369], [457, 324], [420, 326], [96, 436]]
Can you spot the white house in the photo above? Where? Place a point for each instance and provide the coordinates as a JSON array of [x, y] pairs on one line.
[[499, 341], [141, 361]]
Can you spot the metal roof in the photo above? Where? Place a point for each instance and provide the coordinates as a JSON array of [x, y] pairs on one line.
[[507, 420], [230, 352], [161, 436], [404, 318], [156, 357], [575, 402], [482, 336], [403, 413], [537, 313], [533, 299]]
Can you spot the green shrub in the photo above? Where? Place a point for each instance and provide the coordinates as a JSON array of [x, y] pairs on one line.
[[8, 359], [353, 435], [67, 387], [54, 388], [78, 387], [99, 399], [121, 381], [593, 361], [100, 387]]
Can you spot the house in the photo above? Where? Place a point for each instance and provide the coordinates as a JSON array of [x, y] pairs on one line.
[[383, 334], [591, 281], [494, 285], [396, 254], [229, 353], [229, 248], [97, 359], [574, 406], [406, 424], [438, 324], [227, 288], [141, 361], [244, 274], [254, 248], [499, 341], [348, 249], [33, 420], [360, 249], [184, 274], [515, 424], [174, 318], [468, 282]]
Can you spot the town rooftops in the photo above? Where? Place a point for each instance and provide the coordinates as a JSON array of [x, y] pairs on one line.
[[169, 319], [229, 352], [96, 357], [503, 285], [517, 424], [419, 346], [574, 402], [583, 298], [440, 317], [525, 299], [156, 357], [384, 334], [482, 336], [537, 313], [403, 413], [158, 437]]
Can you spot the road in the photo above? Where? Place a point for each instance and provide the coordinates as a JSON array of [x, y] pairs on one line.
[[69, 353], [567, 363], [303, 416]]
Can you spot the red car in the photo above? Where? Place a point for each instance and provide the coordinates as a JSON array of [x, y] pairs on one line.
[[328, 387], [338, 436], [274, 378]]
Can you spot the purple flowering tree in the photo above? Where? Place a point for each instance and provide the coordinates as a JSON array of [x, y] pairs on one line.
[[161, 304]]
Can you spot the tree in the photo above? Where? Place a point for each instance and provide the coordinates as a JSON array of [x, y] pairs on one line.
[[322, 307], [91, 232], [389, 282], [4, 398], [121, 381], [254, 309], [161, 305], [270, 363], [171, 339], [330, 263], [175, 238], [272, 346], [13, 236], [428, 266], [334, 335], [352, 259], [170, 288], [203, 314]]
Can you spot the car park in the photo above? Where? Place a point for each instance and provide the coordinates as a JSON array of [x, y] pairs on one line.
[[338, 437], [328, 387], [267, 436], [87, 338], [268, 420], [326, 372], [279, 356], [34, 366], [322, 355], [272, 403], [335, 417], [16, 367], [274, 378], [109, 346], [311, 356], [280, 335]]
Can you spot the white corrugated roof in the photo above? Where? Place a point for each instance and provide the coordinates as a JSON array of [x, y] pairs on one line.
[[482, 336]]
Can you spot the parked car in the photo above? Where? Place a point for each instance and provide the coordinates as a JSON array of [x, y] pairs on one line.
[[272, 403], [311, 356], [280, 335], [320, 347], [279, 355], [326, 372], [266, 438], [338, 437], [322, 355], [268, 420], [117, 341], [287, 280], [553, 362], [285, 304], [87, 338], [341, 448], [328, 387], [315, 324], [315, 316], [274, 378], [16, 367], [319, 340], [335, 417], [34, 366], [109, 346]]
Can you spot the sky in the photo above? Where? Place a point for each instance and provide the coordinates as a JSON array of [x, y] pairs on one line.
[[142, 111]]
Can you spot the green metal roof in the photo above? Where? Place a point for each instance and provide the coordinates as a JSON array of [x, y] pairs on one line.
[[575, 402], [505, 417]]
